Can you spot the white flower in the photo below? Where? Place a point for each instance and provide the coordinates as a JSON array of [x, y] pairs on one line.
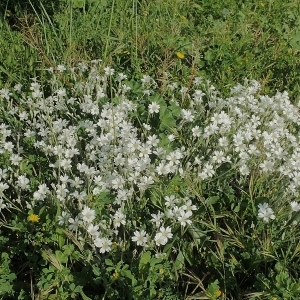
[[187, 115], [3, 187], [161, 168], [152, 140], [146, 126], [197, 81], [171, 168], [153, 108], [218, 156], [2, 204], [61, 191], [196, 131], [161, 238], [223, 141], [171, 137], [93, 230], [189, 206], [5, 93], [3, 174], [15, 159], [23, 182], [18, 87], [145, 151], [41, 193], [244, 170], [88, 215], [121, 77], [74, 223], [265, 212], [65, 164], [61, 68], [170, 201], [104, 244], [266, 166], [109, 71], [184, 217], [146, 80], [174, 157], [295, 206], [208, 171], [140, 237], [8, 146], [119, 218], [157, 218], [63, 219], [43, 189]]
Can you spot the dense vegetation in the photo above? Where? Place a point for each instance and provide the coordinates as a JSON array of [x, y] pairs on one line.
[[149, 149]]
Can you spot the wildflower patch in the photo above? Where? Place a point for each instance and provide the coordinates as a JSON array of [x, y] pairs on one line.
[[123, 167]]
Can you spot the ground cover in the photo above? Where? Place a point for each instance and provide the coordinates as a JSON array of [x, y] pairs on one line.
[[136, 159]]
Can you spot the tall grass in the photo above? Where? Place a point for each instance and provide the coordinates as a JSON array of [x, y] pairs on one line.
[[129, 152]]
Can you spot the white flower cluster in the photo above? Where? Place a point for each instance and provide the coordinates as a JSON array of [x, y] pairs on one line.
[[94, 150], [102, 164]]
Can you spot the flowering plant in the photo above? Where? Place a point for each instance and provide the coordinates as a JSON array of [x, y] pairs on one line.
[[114, 167]]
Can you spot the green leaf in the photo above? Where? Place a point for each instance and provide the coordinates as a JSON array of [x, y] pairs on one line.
[[96, 271], [68, 249], [167, 120], [155, 261], [108, 262], [197, 234], [176, 110], [128, 274], [60, 237], [208, 55], [78, 3], [145, 259], [163, 140], [212, 200], [84, 296], [104, 198], [62, 257], [179, 262]]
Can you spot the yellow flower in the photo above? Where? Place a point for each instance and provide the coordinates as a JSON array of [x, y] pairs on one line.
[[33, 218], [115, 275], [262, 4], [218, 293], [180, 55], [176, 188]]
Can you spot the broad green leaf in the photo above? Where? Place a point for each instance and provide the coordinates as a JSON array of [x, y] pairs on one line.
[[167, 121], [145, 259], [179, 262], [62, 257], [212, 200], [108, 262]]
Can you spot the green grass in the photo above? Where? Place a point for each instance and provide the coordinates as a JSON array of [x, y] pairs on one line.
[[221, 41]]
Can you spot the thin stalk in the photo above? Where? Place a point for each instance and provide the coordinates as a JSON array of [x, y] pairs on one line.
[[109, 29], [71, 20], [136, 31]]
